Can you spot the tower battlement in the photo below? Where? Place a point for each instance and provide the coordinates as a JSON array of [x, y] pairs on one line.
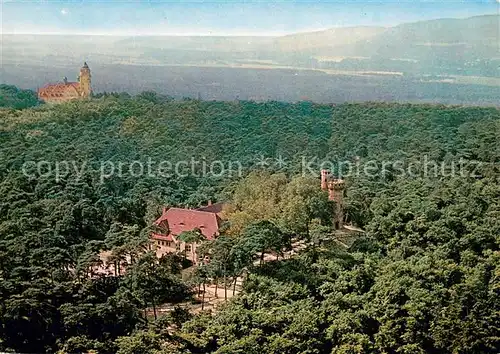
[[335, 187], [337, 184]]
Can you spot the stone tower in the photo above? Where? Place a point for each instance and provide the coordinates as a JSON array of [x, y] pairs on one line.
[[84, 79], [335, 187]]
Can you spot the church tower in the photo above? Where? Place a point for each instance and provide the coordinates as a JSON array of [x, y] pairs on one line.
[[84, 79]]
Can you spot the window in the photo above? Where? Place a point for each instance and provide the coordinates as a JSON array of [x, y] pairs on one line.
[[188, 248], [169, 243]]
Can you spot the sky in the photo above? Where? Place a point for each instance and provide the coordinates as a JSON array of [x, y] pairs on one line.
[[257, 17]]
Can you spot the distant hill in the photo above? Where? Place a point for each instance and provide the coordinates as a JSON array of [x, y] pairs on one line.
[[425, 60], [446, 46], [480, 34], [475, 37], [330, 38], [471, 37]]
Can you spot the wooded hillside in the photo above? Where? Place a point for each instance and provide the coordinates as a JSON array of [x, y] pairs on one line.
[[424, 278]]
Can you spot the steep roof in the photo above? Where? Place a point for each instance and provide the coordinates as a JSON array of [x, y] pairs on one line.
[[163, 237], [59, 88], [212, 208], [179, 220]]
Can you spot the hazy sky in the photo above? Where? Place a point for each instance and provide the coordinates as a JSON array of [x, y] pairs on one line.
[[222, 17]]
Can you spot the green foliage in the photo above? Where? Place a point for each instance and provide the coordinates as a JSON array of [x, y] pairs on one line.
[[13, 97], [264, 236], [425, 277], [152, 282], [140, 342], [290, 204], [192, 236]]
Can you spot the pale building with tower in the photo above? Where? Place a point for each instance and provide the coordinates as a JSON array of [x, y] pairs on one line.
[[67, 91]]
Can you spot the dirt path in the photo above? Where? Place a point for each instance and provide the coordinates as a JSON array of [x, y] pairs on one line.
[[213, 298]]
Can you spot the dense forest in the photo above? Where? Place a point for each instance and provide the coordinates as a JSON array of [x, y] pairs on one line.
[[13, 97], [423, 183]]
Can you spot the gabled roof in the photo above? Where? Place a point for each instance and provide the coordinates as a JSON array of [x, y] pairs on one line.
[[164, 237], [59, 88], [212, 208], [178, 220]]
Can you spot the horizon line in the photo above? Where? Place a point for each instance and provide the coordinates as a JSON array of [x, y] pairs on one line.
[[224, 34], [103, 34], [188, 34]]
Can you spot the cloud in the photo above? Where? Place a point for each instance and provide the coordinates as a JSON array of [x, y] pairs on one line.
[[64, 12]]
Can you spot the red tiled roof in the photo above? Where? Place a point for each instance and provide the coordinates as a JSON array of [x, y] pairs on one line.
[[212, 208], [163, 237], [59, 88], [179, 220]]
